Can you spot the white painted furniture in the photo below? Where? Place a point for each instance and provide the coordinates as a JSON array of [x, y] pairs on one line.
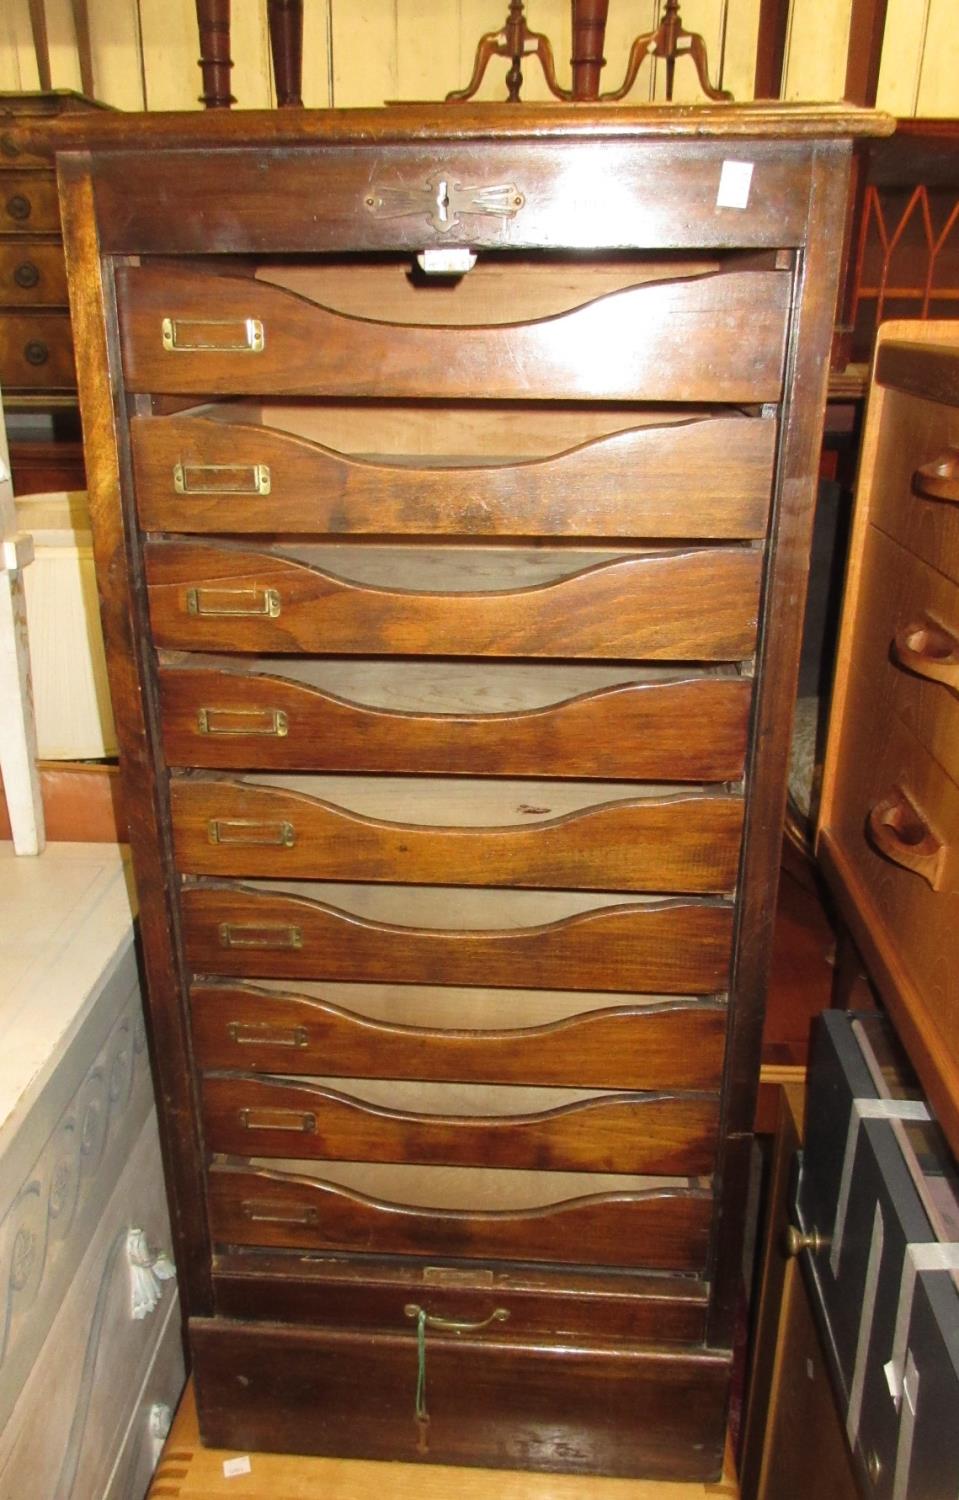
[[71, 696], [90, 1353], [18, 739]]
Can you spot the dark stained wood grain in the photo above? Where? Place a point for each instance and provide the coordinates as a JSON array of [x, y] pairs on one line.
[[682, 843], [572, 184], [512, 1404], [665, 1229], [28, 202], [339, 1292], [664, 341], [699, 605], [774, 122], [123, 616], [32, 274], [663, 195], [638, 483], [692, 730], [676, 1045], [643, 1133], [36, 351], [777, 670], [670, 947]]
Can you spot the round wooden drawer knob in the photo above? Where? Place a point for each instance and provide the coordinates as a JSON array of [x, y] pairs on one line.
[[26, 275], [36, 352], [18, 207]]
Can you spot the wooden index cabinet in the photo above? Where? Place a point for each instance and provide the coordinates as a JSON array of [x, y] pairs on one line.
[[453, 623]]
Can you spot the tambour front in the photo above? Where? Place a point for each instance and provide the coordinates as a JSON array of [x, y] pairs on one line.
[[453, 622]]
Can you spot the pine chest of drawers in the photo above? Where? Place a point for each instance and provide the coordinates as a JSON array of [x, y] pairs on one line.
[[453, 624]]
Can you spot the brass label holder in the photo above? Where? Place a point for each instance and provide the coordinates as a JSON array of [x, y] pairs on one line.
[[220, 603], [260, 935], [262, 722], [212, 335], [221, 479], [251, 831]]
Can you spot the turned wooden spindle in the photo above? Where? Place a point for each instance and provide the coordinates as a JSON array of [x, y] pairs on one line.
[[669, 41], [213, 20], [286, 45], [515, 41], [589, 34]]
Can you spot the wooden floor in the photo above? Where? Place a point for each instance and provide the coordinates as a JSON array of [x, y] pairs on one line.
[[188, 1472]]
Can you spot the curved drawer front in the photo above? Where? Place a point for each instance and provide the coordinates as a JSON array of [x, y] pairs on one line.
[[32, 274], [682, 843], [674, 947], [705, 478], [28, 203], [700, 605], [625, 1133], [915, 487], [907, 647], [244, 1026], [36, 351], [682, 340], [692, 730], [895, 826], [666, 1228]]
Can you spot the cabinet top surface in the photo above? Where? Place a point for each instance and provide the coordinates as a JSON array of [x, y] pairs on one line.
[[408, 124]]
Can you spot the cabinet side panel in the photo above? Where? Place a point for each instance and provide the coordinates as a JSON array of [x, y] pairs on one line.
[[116, 549], [781, 618]]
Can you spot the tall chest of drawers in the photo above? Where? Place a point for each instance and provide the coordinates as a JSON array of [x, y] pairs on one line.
[[453, 614]]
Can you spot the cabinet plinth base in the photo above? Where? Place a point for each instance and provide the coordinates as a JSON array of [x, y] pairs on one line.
[[620, 1410]]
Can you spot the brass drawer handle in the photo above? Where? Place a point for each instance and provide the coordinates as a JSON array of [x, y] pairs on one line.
[[212, 335], [246, 832], [221, 479], [243, 721], [260, 935], [300, 1122], [19, 207], [454, 1325], [26, 275], [939, 479], [217, 603], [262, 1034], [930, 650], [795, 1241], [900, 832], [267, 1213]]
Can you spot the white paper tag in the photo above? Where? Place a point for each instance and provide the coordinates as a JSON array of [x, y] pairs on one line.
[[234, 1467], [734, 183], [446, 260]]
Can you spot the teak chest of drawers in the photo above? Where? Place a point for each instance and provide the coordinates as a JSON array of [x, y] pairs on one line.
[[889, 822], [453, 628]]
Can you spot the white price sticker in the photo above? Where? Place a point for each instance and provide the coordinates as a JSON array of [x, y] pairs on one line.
[[735, 180], [234, 1467]]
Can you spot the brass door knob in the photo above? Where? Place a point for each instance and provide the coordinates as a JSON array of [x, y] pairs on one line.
[[796, 1240]]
